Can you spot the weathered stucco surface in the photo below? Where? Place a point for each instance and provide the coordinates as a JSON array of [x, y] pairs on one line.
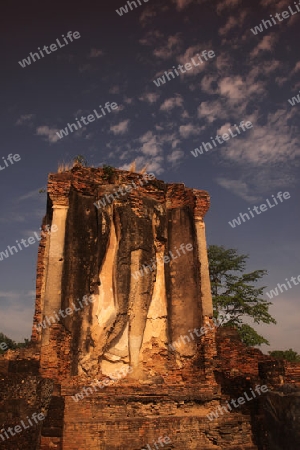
[[142, 302], [118, 350]]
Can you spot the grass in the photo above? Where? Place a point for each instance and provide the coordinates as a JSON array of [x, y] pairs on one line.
[[65, 166]]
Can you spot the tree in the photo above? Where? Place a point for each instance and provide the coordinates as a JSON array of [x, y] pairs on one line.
[[288, 355], [10, 344], [235, 295]]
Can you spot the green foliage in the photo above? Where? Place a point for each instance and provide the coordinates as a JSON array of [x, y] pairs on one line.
[[250, 337], [288, 355], [24, 344], [42, 191], [235, 295], [12, 345], [80, 160], [108, 172]]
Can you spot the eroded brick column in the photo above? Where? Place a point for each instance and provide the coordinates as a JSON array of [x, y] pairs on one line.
[[55, 267], [202, 203], [52, 300], [182, 273]]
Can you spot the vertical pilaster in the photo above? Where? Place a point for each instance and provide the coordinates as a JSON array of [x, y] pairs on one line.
[[202, 203], [182, 274], [206, 297], [52, 302]]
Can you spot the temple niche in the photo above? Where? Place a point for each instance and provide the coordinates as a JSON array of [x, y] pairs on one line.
[[141, 257]]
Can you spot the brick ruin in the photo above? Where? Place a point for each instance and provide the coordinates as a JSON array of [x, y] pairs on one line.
[[120, 289]]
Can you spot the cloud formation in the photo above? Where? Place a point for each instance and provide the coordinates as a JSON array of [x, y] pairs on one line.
[[48, 132], [121, 127]]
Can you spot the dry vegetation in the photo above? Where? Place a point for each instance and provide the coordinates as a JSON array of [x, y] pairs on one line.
[[65, 166]]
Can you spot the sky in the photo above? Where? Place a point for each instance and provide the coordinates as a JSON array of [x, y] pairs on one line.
[[247, 76]]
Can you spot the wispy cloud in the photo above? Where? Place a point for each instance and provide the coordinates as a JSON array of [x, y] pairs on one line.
[[115, 89], [48, 132], [227, 4], [25, 119], [189, 130], [148, 13], [267, 44], [239, 188], [171, 103], [95, 53], [234, 22], [175, 156], [280, 4], [191, 52], [170, 48], [13, 216], [32, 195], [152, 37], [150, 144], [149, 97], [121, 127], [85, 68], [182, 4]]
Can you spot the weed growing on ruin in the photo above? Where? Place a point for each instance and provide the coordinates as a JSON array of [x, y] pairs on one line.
[[108, 172], [80, 160]]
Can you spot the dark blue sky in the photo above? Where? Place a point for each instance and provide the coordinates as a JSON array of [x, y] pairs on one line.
[[116, 59]]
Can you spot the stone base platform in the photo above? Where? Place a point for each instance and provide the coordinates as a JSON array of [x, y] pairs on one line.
[[132, 417]]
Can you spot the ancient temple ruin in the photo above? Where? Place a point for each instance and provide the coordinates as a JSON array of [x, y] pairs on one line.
[[142, 257], [125, 354]]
